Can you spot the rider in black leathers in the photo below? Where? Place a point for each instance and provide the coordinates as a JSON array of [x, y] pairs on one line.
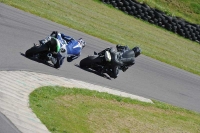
[[119, 61]]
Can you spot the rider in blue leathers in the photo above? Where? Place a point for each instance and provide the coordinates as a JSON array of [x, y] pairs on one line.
[[63, 46]]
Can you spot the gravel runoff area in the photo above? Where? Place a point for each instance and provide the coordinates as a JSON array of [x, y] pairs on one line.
[[15, 87]]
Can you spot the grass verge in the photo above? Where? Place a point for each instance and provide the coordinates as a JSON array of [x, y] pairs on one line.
[[107, 23], [65, 110]]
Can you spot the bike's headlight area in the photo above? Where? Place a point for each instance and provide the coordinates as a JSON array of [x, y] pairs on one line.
[[108, 56]]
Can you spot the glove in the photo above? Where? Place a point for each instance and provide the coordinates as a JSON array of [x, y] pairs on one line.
[[119, 47], [54, 34], [45, 40]]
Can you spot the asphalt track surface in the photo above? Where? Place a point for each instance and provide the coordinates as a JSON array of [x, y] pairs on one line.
[[147, 78]]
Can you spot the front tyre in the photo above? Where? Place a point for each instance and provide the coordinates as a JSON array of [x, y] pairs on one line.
[[114, 73], [87, 62], [35, 50]]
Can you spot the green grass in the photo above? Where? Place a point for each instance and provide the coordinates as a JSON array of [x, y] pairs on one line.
[[107, 23], [65, 110]]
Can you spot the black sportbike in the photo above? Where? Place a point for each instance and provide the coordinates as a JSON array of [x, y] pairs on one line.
[[44, 50], [109, 61]]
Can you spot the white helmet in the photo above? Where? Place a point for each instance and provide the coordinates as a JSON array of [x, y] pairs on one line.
[[82, 42]]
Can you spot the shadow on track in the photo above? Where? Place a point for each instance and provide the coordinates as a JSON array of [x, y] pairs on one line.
[[95, 72], [39, 60]]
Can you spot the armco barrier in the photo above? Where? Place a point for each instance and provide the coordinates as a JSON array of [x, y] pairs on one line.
[[157, 17]]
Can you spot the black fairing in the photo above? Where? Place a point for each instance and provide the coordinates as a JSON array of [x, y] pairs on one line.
[[128, 54]]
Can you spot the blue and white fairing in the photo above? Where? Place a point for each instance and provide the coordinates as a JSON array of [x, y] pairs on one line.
[[71, 46]]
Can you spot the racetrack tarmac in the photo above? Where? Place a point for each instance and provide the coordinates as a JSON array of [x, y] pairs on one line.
[[147, 78]]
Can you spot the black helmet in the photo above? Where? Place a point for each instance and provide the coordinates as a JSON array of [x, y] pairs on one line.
[[137, 51]]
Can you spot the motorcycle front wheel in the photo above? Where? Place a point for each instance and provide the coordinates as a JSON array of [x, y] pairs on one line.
[[88, 61], [36, 49]]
